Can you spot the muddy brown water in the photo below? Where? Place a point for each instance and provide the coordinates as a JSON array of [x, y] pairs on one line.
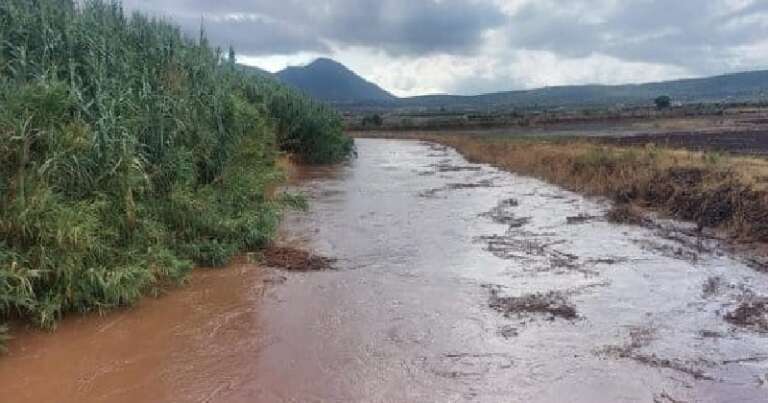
[[425, 242]]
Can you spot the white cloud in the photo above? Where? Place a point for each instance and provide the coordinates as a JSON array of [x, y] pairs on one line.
[[275, 63], [466, 75]]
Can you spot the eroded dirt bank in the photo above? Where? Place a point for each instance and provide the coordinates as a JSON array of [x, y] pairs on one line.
[[451, 281]]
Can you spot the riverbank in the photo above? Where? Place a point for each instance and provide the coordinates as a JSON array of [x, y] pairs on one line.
[[452, 281], [725, 195]]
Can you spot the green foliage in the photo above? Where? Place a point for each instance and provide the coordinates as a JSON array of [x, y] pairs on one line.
[[3, 337], [308, 129], [372, 120], [129, 153], [663, 102], [295, 201]]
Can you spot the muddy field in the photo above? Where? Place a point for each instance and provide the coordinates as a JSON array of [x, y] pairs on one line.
[[733, 134], [422, 277], [752, 142]]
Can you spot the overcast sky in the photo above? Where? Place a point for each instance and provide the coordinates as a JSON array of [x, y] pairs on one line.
[[413, 47]]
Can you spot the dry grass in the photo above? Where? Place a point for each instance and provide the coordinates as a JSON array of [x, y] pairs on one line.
[[727, 193]]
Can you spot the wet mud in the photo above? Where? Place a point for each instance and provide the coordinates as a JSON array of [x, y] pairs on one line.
[[552, 304], [734, 141], [451, 282], [751, 313], [485, 183], [293, 259], [641, 337], [581, 219]]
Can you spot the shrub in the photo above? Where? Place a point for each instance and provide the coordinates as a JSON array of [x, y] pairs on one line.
[[373, 120], [3, 337], [663, 102]]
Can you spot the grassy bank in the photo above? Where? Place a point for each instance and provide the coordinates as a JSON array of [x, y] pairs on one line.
[[720, 192], [130, 153]]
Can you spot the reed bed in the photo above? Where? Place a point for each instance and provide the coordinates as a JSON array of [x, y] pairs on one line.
[[130, 153]]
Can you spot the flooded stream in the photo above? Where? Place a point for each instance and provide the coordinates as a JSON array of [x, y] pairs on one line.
[[453, 282]]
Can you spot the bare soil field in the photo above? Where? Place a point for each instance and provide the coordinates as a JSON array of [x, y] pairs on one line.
[[751, 142], [738, 133]]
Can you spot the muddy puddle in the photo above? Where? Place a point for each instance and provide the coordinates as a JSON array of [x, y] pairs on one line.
[[450, 282]]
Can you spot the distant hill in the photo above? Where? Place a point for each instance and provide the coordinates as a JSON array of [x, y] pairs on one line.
[[748, 86], [330, 81]]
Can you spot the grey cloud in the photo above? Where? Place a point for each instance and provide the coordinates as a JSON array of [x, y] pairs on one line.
[[284, 27], [407, 26], [252, 27], [696, 37], [689, 33], [254, 36]]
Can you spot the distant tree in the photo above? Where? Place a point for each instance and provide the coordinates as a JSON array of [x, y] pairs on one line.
[[663, 102], [373, 120]]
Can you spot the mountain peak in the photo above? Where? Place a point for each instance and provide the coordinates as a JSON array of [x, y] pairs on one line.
[[331, 81], [326, 61]]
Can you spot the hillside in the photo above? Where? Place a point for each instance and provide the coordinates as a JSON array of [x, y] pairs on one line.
[[747, 86], [330, 81]]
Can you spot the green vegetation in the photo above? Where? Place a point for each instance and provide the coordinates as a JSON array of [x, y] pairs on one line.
[[663, 102], [374, 120], [3, 338], [129, 153]]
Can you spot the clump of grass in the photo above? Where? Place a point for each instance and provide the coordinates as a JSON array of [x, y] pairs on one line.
[[626, 214], [130, 153], [3, 338]]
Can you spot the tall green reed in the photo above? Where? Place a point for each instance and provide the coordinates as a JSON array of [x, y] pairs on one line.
[[130, 153]]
